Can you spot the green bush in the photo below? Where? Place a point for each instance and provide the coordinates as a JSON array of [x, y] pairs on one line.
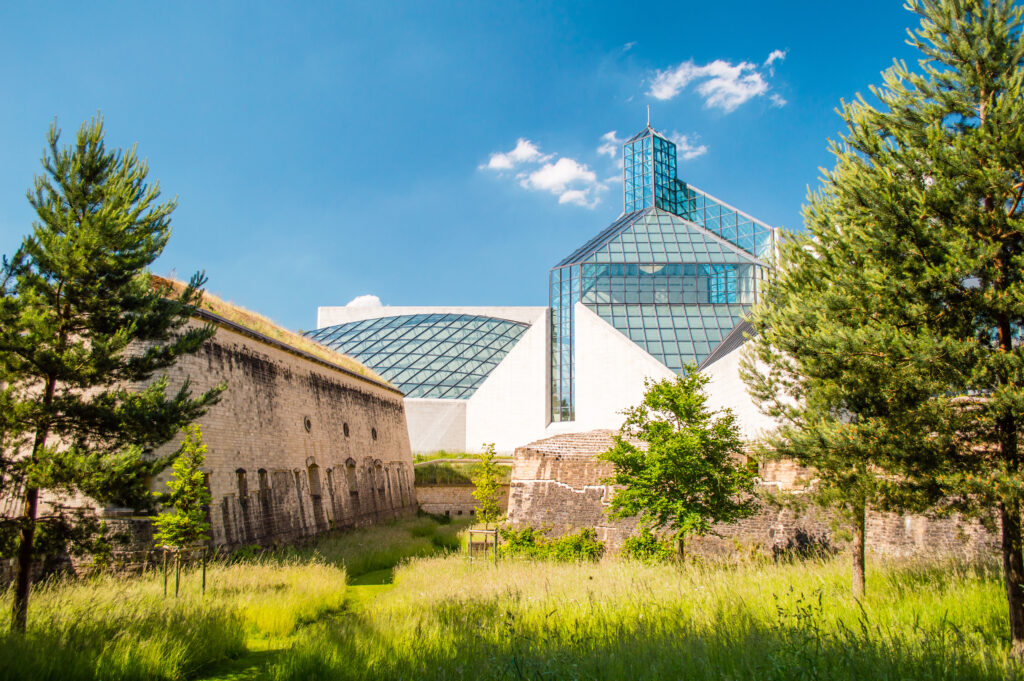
[[531, 542], [647, 547]]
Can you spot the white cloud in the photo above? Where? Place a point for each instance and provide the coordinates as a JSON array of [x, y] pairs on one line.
[[525, 151], [555, 177], [776, 55], [776, 100], [722, 84], [687, 147], [571, 181], [610, 144], [364, 301]]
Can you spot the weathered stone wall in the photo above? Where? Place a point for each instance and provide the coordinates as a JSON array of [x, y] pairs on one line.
[[296, 446], [557, 483], [453, 500]]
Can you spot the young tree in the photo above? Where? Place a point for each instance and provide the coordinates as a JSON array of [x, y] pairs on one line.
[[186, 525], [486, 478], [917, 236], [690, 470], [83, 332]]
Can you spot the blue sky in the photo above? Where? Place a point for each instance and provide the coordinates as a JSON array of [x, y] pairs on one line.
[[323, 151]]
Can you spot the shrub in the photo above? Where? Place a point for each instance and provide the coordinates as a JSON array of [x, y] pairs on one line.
[[647, 547], [530, 542]]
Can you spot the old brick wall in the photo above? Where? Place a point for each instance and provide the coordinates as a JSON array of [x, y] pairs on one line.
[[296, 446], [556, 483], [453, 500]]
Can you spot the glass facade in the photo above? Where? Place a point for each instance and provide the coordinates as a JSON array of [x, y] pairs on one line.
[[427, 355], [675, 273]]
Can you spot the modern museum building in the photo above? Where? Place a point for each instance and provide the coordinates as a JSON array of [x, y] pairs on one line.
[[664, 286]]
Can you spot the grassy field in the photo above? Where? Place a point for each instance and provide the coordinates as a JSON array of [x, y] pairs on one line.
[[331, 611], [619, 620], [121, 629]]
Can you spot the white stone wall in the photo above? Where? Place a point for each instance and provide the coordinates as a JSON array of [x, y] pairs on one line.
[[727, 390], [436, 425], [610, 373], [510, 408]]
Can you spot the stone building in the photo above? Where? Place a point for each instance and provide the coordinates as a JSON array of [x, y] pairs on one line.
[[556, 483], [303, 440]]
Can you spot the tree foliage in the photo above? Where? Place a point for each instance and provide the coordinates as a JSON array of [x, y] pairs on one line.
[[892, 336], [83, 335], [679, 466], [487, 492], [185, 524]]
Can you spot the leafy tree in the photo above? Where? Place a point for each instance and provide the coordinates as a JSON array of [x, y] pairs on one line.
[[83, 331], [916, 239], [487, 479], [680, 466], [186, 525]]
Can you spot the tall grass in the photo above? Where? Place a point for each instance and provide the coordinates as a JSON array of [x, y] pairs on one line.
[[447, 619], [109, 627], [384, 546]]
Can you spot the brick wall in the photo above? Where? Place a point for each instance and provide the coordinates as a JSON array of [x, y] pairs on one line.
[[556, 483]]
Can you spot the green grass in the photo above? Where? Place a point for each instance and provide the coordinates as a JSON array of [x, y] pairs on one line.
[[122, 628], [447, 619], [453, 474], [384, 546], [119, 628]]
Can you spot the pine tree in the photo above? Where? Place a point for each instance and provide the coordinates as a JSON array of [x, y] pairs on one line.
[[81, 329], [692, 472], [487, 491], [916, 240], [186, 525]]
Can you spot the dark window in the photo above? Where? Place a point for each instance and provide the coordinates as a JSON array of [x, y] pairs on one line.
[[313, 472], [243, 485], [344, 428], [373, 433]]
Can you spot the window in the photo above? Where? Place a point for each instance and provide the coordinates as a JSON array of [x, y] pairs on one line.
[[243, 486]]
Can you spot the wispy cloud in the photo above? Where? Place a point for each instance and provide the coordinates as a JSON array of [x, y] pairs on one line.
[[570, 180], [610, 144], [525, 151], [721, 84], [687, 147]]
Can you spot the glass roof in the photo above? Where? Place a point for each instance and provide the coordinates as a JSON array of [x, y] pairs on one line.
[[427, 355], [655, 235]]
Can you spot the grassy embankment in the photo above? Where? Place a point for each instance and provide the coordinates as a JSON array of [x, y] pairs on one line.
[[446, 619], [117, 628]]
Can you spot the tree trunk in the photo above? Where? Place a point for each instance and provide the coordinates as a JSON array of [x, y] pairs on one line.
[[859, 540], [681, 548], [25, 550], [1013, 572], [26, 546], [1009, 512]]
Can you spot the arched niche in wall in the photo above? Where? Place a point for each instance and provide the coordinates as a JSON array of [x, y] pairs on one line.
[[350, 477], [313, 473]]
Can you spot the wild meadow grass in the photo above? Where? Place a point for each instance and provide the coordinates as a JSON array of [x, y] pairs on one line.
[[117, 628], [384, 546], [448, 619]]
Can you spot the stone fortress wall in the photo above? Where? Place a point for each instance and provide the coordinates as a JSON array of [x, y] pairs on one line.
[[296, 446], [556, 483]]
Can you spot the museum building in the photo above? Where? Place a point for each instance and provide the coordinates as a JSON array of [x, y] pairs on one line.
[[666, 285]]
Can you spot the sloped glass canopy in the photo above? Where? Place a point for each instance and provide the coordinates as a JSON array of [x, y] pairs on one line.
[[427, 355]]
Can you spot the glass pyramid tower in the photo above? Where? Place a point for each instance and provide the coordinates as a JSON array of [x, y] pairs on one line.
[[675, 273]]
